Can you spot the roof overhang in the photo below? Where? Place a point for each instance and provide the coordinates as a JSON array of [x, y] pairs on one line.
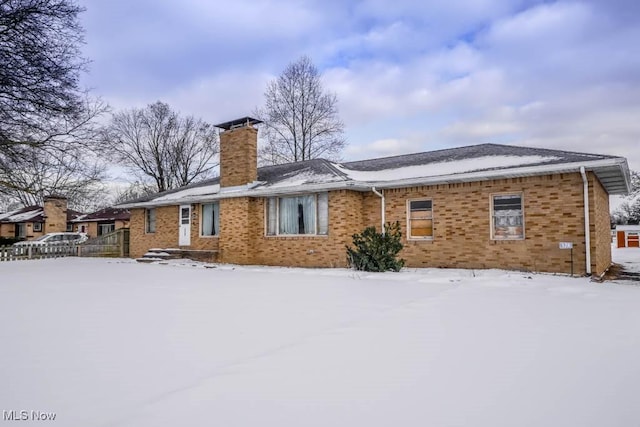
[[613, 173]]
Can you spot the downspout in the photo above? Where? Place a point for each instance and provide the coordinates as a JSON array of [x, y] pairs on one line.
[[587, 234], [381, 195]]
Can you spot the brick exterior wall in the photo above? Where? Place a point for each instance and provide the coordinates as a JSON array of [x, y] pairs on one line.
[[166, 235], [55, 210], [198, 242], [553, 212], [345, 219], [91, 227], [238, 156], [600, 226], [7, 230], [236, 229]]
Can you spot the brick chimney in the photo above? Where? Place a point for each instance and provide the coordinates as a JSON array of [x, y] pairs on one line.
[[238, 152], [55, 214]]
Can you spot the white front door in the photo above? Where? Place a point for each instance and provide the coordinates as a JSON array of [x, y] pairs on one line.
[[185, 225]]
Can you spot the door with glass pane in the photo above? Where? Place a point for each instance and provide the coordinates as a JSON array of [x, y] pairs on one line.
[[185, 225]]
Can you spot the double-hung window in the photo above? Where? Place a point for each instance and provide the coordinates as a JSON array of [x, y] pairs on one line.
[[298, 215], [150, 220], [420, 215], [507, 217], [210, 219]]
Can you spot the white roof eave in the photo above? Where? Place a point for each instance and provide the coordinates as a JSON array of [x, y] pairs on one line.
[[513, 172]]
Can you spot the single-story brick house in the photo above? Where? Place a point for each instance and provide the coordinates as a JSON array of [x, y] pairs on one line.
[[482, 206], [32, 222], [102, 222]]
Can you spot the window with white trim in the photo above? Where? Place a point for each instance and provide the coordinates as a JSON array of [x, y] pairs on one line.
[[210, 219], [507, 217], [420, 219], [150, 220], [37, 226], [298, 215]]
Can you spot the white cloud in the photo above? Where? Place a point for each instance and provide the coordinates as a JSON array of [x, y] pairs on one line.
[[409, 76]]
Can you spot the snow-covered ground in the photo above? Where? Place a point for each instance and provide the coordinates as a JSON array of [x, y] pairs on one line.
[[115, 343], [628, 258]]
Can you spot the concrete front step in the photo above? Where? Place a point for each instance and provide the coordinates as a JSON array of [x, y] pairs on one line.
[[161, 254]]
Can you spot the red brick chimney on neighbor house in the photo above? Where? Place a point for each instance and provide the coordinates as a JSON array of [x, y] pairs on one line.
[[55, 214], [238, 152]]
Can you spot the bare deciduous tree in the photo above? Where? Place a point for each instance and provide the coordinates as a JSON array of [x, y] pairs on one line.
[[157, 143], [40, 66], [133, 191], [300, 119], [72, 171], [46, 120]]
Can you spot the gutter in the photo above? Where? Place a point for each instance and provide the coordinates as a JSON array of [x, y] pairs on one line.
[[487, 175], [587, 234], [382, 208], [365, 186]]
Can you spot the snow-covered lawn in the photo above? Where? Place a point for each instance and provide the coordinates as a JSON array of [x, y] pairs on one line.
[[115, 343], [628, 258]]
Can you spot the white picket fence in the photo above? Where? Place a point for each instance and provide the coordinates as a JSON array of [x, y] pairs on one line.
[[23, 252]]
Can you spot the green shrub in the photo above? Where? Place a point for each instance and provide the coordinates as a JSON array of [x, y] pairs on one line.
[[375, 251]]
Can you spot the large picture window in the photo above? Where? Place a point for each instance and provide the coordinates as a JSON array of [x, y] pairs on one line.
[[211, 219], [420, 225], [507, 216], [150, 220], [298, 215]]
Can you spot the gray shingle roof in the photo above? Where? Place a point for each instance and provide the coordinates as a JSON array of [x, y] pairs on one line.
[[474, 162], [106, 214], [471, 152]]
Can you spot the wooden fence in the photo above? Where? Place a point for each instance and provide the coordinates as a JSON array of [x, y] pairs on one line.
[[115, 244], [35, 251]]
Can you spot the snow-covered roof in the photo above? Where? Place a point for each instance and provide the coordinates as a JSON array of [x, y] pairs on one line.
[[32, 214], [463, 164], [106, 214], [26, 214]]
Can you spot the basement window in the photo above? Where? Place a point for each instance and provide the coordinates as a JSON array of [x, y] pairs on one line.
[[298, 215], [420, 219], [210, 219], [507, 217], [150, 220]]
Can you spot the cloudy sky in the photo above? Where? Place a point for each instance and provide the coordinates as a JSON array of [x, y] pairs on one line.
[[410, 75]]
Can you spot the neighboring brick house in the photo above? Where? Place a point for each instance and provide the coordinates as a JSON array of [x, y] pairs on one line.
[[482, 206], [102, 222], [32, 222]]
